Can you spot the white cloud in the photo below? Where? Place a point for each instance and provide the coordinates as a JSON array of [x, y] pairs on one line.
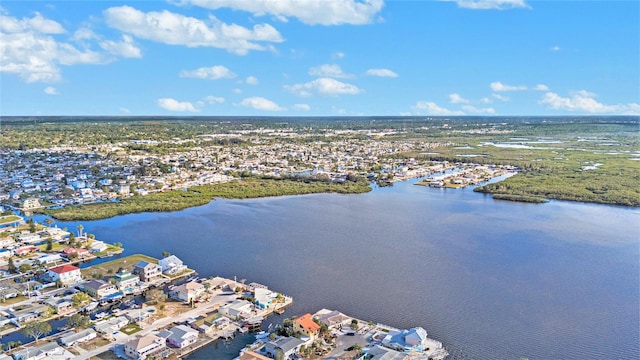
[[310, 12], [260, 103], [541, 87], [584, 101], [323, 86], [29, 49], [556, 48], [251, 80], [175, 105], [491, 4], [125, 110], [500, 97], [431, 108], [381, 73], [125, 48], [457, 99], [338, 55], [237, 91], [175, 29], [209, 73], [38, 24], [302, 107], [214, 99], [84, 33], [498, 86], [474, 110], [50, 90], [329, 70]]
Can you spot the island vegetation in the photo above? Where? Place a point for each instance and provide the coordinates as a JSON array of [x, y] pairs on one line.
[[147, 164]]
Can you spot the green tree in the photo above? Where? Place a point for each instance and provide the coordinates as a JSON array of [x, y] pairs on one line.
[[23, 268], [72, 239], [12, 266], [49, 244], [80, 299], [118, 245], [32, 225], [79, 321], [166, 254], [36, 330]]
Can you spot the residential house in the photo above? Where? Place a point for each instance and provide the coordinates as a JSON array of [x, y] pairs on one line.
[[111, 325], [24, 250], [6, 242], [97, 246], [49, 258], [66, 274], [250, 355], [182, 336], [239, 309], [99, 288], [60, 305], [142, 347], [80, 252], [27, 312], [31, 203], [29, 238], [77, 338], [147, 271], [413, 339], [332, 318], [49, 350], [171, 265], [264, 297], [126, 281], [378, 352], [187, 292], [306, 326], [287, 345]]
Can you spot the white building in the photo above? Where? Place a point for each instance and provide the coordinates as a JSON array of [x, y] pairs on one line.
[[171, 265], [67, 274]]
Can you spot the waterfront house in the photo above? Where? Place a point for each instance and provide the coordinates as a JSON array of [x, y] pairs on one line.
[[171, 265], [30, 204], [60, 305], [264, 297], [49, 350], [188, 292], [143, 347], [147, 271], [77, 338], [27, 312], [182, 336], [6, 242], [378, 352], [97, 246], [332, 318], [239, 309], [49, 258], [306, 326], [125, 280], [250, 355], [80, 252], [414, 339], [111, 325], [99, 288], [66, 274], [288, 346], [29, 238]]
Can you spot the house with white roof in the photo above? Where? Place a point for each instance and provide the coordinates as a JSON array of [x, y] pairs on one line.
[[187, 292], [182, 336], [142, 347], [238, 309], [171, 265]]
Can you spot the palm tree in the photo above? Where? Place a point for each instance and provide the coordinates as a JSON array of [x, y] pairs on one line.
[[80, 228]]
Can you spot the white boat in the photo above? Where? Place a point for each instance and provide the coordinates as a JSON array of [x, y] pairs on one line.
[[91, 306]]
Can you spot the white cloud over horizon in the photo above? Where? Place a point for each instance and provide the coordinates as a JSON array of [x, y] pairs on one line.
[[214, 99], [310, 12], [260, 103], [585, 101], [125, 48], [431, 108], [499, 86], [455, 98], [50, 90], [323, 86], [209, 73], [302, 107], [381, 73], [175, 105], [176, 29]]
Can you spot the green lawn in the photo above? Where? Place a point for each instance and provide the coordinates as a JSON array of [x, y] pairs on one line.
[[130, 329]]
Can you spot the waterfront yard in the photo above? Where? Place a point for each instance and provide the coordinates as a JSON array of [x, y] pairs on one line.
[[111, 267]]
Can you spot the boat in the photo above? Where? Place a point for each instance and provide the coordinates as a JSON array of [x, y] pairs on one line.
[[91, 306]]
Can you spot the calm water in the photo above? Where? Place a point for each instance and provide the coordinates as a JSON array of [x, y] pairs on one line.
[[490, 279]]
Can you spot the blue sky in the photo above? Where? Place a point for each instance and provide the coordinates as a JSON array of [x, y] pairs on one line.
[[320, 57]]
